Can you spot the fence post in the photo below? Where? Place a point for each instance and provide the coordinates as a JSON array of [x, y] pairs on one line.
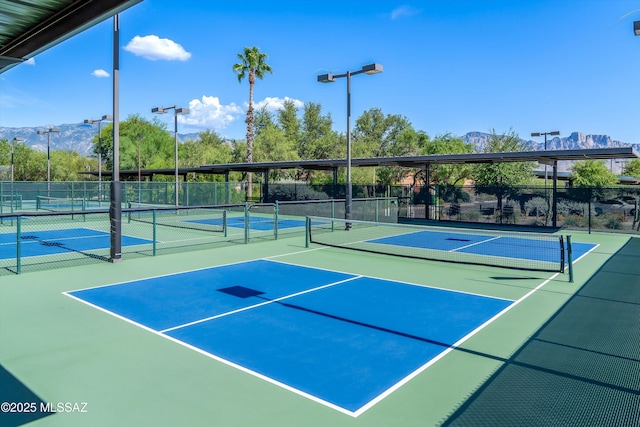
[[18, 239], [154, 232], [333, 212], [224, 222], [570, 258], [246, 222], [275, 223]]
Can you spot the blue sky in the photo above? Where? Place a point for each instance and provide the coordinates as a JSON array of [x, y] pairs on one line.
[[449, 65]]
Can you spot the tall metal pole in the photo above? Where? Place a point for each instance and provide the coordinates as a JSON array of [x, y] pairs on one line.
[[349, 188], [13, 149], [48, 164], [115, 209], [175, 128], [329, 78], [545, 166], [99, 159]]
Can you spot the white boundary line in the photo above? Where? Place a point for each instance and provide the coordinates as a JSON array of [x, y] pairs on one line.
[[217, 316], [450, 349], [371, 403], [219, 359], [474, 244], [586, 253], [389, 280]]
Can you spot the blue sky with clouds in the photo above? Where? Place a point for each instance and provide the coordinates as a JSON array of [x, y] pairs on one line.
[[449, 65]]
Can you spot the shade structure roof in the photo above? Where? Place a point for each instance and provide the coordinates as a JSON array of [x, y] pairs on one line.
[[29, 27], [413, 162]]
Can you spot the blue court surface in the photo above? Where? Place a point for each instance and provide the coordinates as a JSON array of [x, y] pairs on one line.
[[51, 242], [255, 223], [497, 246], [342, 340]]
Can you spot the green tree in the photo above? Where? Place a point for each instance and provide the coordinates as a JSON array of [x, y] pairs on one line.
[[68, 165], [5, 159], [632, 168], [262, 119], [252, 64], [209, 148], [157, 145], [272, 145], [448, 144], [592, 173], [318, 139], [378, 135], [289, 122], [29, 164], [503, 178]]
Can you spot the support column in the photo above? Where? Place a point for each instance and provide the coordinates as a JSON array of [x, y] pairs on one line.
[[554, 201]]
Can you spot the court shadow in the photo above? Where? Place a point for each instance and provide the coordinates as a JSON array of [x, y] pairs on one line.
[[582, 367], [14, 395]]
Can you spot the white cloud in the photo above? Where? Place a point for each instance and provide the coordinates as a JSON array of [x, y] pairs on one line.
[[30, 61], [275, 104], [210, 113], [403, 12], [154, 48], [100, 73]]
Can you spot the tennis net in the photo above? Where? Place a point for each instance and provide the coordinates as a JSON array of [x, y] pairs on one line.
[[11, 200], [202, 218], [380, 209], [525, 251], [59, 204]]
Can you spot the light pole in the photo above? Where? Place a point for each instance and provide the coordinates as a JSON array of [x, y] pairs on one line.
[[552, 133], [176, 111], [48, 132], [330, 78], [106, 117], [636, 28]]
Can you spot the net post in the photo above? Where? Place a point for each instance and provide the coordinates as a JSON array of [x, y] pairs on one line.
[[377, 201], [570, 258], [333, 212], [72, 201], [307, 234], [115, 220], [224, 222], [155, 228], [246, 222], [275, 221], [18, 239]]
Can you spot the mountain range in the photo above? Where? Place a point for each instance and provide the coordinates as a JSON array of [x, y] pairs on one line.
[[79, 137]]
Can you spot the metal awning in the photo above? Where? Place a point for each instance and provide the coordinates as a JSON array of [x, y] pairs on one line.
[[414, 162], [28, 27]]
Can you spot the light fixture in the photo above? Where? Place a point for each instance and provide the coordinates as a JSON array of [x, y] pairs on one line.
[[176, 111], [330, 78]]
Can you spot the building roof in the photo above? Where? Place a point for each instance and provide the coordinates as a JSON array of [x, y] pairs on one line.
[[29, 27]]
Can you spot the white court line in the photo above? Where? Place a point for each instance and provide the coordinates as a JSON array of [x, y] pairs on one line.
[[217, 316], [586, 253], [48, 239], [389, 280], [473, 244], [364, 408], [371, 403], [449, 350]]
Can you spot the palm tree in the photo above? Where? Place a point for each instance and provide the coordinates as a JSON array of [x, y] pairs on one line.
[[252, 62]]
